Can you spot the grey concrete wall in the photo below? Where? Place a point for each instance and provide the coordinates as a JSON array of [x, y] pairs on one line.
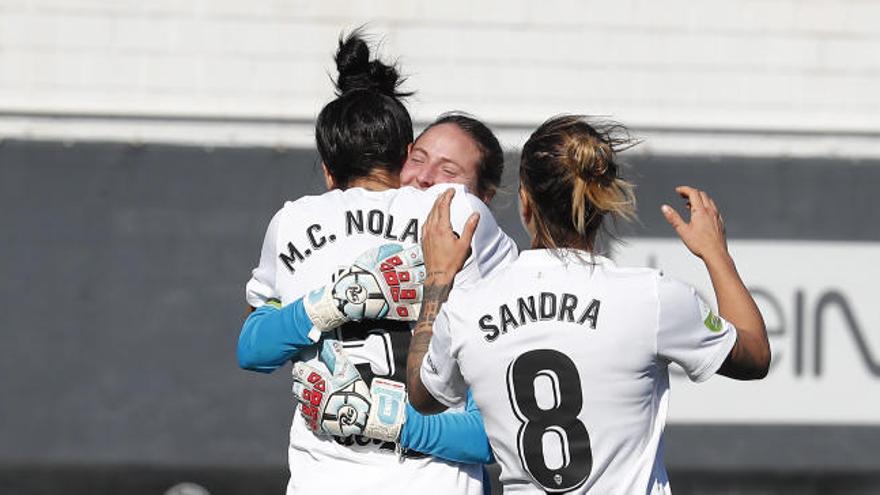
[[121, 291]]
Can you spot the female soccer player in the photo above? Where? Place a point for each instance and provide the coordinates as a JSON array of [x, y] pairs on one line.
[[362, 137], [565, 353], [455, 148]]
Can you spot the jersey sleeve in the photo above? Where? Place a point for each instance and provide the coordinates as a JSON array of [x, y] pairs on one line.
[[261, 287], [271, 336], [491, 247], [457, 436], [440, 373], [689, 333]]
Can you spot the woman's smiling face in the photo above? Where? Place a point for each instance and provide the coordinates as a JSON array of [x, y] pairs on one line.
[[442, 154]]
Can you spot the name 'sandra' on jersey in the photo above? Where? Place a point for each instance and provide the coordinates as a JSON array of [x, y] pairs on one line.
[[544, 306]]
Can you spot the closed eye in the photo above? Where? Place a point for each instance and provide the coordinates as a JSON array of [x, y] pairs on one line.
[[418, 156]]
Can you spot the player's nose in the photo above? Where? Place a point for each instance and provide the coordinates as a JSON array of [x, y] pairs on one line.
[[426, 179]]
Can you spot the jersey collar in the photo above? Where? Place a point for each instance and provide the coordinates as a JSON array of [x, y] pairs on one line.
[[563, 256]]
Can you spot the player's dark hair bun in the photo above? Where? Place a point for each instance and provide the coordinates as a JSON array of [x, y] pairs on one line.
[[367, 128], [358, 72]]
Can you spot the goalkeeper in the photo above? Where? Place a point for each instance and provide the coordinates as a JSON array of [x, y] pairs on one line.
[[272, 336], [349, 384]]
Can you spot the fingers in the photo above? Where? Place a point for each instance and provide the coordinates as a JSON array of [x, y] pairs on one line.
[[298, 390], [713, 210], [698, 199], [445, 203], [406, 311], [439, 215], [381, 253], [416, 310], [412, 256], [412, 276], [469, 228], [672, 217], [419, 274], [712, 203], [707, 201], [304, 373], [692, 194], [444, 250]]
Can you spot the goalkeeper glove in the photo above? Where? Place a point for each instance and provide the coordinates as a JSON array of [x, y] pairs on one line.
[[338, 401], [384, 282]]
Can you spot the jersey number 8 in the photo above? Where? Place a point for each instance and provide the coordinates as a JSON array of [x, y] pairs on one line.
[[560, 419]]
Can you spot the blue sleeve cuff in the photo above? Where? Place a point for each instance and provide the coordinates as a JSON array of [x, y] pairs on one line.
[[451, 435], [270, 336]]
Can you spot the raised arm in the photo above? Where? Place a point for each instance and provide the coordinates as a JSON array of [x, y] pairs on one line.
[[444, 255], [704, 236]]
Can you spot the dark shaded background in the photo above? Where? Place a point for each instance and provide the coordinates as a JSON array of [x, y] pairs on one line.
[[123, 270]]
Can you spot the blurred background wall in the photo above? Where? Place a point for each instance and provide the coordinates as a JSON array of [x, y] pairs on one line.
[[145, 145]]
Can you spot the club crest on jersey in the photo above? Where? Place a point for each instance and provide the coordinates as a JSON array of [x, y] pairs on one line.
[[545, 306]]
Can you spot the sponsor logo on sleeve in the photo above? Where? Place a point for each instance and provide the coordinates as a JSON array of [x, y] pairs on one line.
[[431, 364], [713, 322]]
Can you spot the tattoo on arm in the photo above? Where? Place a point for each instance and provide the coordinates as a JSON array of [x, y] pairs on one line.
[[435, 294], [432, 300]]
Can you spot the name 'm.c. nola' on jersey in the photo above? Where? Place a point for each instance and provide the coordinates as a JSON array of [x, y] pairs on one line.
[[306, 241]]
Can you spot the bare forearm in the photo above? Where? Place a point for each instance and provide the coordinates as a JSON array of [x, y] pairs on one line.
[[750, 357], [735, 303], [444, 254], [704, 235], [419, 396], [436, 291]]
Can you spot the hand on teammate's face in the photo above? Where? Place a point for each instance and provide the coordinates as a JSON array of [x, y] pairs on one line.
[[444, 251], [704, 235]]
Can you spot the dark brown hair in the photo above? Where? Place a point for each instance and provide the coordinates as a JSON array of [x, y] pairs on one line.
[[366, 127], [569, 170], [491, 164]]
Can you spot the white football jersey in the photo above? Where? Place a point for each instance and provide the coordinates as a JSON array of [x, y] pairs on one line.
[[305, 242], [567, 360]]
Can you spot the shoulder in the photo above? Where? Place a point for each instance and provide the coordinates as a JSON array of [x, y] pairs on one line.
[[462, 195], [294, 210], [291, 207], [313, 200], [463, 295], [673, 292], [438, 189], [629, 274], [463, 205], [463, 201], [645, 280]]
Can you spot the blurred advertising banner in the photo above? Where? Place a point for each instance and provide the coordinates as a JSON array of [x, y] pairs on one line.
[[820, 305]]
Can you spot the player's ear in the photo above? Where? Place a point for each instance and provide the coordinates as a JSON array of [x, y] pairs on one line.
[[525, 211], [525, 207], [487, 195], [409, 149], [329, 181]]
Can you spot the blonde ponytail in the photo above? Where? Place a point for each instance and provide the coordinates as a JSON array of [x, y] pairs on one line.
[[567, 157]]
